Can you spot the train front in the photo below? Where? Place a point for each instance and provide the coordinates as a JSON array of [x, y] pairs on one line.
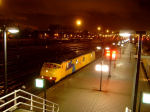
[[50, 72]]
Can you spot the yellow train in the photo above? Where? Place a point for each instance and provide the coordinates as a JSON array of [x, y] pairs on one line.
[[55, 72]]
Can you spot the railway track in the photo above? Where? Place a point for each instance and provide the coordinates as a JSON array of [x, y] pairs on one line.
[[24, 63]]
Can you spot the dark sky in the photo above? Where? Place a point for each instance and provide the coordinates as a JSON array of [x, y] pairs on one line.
[[114, 14]]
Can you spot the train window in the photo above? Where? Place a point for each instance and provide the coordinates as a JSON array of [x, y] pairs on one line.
[[83, 58], [56, 66], [67, 66], [77, 61], [50, 65]]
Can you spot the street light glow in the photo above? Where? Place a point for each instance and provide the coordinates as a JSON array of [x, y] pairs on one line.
[[113, 43], [13, 30], [107, 31], [107, 48], [125, 34], [78, 22], [99, 28]]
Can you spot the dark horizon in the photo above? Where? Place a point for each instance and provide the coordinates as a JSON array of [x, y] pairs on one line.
[[115, 15]]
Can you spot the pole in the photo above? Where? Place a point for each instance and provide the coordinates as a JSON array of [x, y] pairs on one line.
[[137, 74], [109, 75], [139, 109], [130, 56], [120, 52], [5, 60], [45, 93], [101, 76], [115, 63]]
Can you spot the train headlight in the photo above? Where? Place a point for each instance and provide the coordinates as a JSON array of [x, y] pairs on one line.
[[50, 78], [46, 70]]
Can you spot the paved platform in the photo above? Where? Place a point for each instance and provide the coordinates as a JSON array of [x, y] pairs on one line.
[[80, 91]]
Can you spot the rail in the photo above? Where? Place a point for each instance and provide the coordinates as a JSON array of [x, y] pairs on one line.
[[25, 100]]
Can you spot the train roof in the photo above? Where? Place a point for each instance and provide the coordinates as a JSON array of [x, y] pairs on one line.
[[66, 56]]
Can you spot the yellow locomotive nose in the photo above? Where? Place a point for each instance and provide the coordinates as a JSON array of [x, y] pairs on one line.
[[49, 71]]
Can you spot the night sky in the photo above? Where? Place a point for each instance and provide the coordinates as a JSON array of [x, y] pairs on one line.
[[113, 14]]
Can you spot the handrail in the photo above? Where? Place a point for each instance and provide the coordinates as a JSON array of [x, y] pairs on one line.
[[20, 99], [36, 96], [35, 101], [12, 107], [35, 106]]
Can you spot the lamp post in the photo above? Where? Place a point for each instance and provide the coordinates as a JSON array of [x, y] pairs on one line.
[[78, 24], [41, 83], [144, 98], [98, 31], [98, 28], [138, 70], [102, 68], [5, 30], [109, 55], [107, 31]]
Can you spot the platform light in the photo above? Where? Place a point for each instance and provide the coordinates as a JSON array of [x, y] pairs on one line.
[[146, 98], [39, 83], [98, 48], [118, 43], [98, 67], [122, 45], [128, 110], [113, 43], [13, 30], [107, 48], [125, 34], [103, 68]]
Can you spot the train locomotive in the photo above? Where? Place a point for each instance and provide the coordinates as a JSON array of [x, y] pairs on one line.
[[54, 72]]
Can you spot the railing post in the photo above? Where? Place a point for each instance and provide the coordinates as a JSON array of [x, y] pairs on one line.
[[43, 105], [53, 110], [31, 108], [15, 96]]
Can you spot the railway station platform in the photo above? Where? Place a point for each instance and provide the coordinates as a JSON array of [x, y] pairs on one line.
[[79, 92]]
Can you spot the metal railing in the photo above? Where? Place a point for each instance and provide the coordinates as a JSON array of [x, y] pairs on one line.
[[25, 100]]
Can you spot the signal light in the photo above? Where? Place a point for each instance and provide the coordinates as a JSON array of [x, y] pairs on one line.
[[108, 53], [113, 54]]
